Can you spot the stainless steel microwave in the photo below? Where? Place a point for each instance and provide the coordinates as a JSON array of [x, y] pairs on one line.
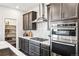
[[64, 29]]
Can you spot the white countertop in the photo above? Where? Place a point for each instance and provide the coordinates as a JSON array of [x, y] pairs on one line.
[[4, 44], [44, 42]]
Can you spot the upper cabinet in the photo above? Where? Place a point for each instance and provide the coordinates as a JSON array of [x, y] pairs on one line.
[[25, 22], [69, 10], [56, 11], [28, 19], [62, 11]]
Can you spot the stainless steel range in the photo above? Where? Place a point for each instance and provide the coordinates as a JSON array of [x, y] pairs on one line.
[[39, 39], [64, 38]]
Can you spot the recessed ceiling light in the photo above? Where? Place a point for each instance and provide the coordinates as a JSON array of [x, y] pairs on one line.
[[17, 7]]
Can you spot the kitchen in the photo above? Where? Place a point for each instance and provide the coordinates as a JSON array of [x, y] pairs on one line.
[[41, 29]]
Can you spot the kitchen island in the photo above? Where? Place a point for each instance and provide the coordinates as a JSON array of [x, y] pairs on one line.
[[5, 45]]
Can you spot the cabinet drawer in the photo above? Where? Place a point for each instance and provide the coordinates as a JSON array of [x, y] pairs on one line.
[[20, 43], [35, 43], [33, 54], [26, 44], [45, 46], [45, 52], [34, 48], [26, 49], [26, 41]]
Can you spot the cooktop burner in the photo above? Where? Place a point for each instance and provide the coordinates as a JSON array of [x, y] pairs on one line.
[[39, 39]]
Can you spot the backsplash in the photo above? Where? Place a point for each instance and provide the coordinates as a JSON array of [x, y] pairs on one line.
[[41, 31]]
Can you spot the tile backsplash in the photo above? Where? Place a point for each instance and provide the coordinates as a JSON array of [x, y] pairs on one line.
[[41, 31]]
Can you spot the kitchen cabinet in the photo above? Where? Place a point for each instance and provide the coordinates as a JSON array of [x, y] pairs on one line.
[[28, 19], [25, 22], [21, 44], [24, 45], [69, 10], [32, 17], [63, 11], [34, 48], [56, 11], [45, 50]]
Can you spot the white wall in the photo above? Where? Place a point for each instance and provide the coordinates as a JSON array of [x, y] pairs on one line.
[[14, 14], [42, 30]]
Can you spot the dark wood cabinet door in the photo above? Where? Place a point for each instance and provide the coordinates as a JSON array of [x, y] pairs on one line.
[[69, 10], [34, 48], [32, 17], [21, 44], [63, 11], [56, 11], [30, 20], [25, 22], [26, 46], [45, 52]]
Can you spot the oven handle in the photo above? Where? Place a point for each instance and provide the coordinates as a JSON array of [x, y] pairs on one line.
[[65, 43]]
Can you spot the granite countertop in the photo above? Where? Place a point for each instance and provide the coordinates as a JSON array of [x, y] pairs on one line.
[[5, 44], [44, 42]]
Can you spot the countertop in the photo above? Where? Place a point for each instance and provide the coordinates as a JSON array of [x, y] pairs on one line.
[[5, 44], [44, 42]]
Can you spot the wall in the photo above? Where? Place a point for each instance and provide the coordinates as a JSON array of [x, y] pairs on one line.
[[42, 30], [14, 14]]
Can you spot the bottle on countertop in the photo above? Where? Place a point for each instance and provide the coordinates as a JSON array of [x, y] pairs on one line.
[[30, 34]]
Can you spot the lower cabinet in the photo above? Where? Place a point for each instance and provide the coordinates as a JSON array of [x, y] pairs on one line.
[[21, 44], [33, 54], [24, 45], [45, 50], [34, 48]]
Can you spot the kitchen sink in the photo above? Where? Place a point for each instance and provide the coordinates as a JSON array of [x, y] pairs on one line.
[[39, 39], [7, 52]]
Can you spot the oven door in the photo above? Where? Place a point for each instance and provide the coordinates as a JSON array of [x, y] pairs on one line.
[[63, 49], [63, 32]]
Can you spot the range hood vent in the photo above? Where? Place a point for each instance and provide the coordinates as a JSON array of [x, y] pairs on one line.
[[41, 14]]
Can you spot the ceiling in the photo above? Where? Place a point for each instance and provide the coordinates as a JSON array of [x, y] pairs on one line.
[[20, 6]]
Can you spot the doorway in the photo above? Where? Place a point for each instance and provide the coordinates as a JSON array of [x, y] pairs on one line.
[[10, 31]]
